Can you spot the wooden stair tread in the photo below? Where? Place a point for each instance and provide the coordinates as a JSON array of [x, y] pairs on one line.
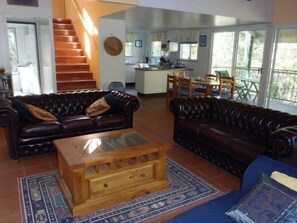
[[61, 20], [72, 69], [75, 81], [71, 72]]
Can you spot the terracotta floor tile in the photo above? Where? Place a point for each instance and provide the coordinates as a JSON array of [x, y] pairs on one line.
[[10, 165], [211, 170], [35, 161], [8, 190], [178, 153], [10, 175], [11, 219], [38, 169], [228, 181], [193, 161], [9, 206]]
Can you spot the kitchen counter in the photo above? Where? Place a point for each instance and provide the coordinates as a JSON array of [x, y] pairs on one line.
[[163, 69], [153, 80]]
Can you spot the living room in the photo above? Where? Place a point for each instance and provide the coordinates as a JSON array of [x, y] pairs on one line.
[[152, 112]]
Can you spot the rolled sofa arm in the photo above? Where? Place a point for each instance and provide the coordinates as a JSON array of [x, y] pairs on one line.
[[190, 107], [127, 103], [282, 142], [9, 119]]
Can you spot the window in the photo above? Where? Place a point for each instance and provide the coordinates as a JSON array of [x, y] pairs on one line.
[[188, 51], [156, 48], [128, 49]]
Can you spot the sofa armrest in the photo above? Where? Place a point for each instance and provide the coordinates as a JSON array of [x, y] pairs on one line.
[[127, 103], [264, 165], [9, 119], [190, 108], [282, 142]]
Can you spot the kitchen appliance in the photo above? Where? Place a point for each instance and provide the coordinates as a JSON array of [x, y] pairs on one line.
[[169, 46]]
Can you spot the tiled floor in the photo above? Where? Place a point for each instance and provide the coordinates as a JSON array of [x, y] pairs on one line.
[[153, 115]]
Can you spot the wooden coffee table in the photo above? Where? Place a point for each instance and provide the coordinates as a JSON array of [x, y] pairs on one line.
[[103, 169]]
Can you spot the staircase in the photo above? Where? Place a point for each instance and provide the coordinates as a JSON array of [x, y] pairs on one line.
[[72, 70]]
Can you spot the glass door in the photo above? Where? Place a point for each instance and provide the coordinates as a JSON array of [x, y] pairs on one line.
[[283, 77], [241, 54], [24, 58], [222, 51], [248, 68]]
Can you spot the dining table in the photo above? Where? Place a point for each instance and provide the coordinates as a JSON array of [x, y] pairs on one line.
[[209, 84]]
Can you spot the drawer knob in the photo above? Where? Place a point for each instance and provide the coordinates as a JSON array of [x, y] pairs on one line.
[[105, 185], [143, 175]]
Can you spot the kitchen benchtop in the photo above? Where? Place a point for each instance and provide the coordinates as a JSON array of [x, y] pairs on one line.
[[163, 69]]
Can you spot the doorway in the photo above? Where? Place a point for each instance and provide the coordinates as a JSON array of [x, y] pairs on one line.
[[22, 41]]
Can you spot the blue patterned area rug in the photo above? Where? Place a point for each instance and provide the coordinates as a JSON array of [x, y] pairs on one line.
[[42, 202]]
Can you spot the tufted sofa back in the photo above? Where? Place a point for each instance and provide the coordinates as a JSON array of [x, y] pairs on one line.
[[64, 104], [257, 120]]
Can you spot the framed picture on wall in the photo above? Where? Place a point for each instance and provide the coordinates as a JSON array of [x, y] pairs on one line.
[[32, 3], [138, 43], [202, 40]]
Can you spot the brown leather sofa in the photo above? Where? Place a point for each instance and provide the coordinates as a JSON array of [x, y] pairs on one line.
[[26, 139], [232, 134]]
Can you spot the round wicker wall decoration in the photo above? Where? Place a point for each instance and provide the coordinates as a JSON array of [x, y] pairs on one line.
[[113, 46]]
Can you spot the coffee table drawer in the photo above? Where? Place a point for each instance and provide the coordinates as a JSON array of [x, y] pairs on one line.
[[122, 179]]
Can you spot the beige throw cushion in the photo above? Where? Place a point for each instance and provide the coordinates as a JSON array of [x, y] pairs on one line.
[[40, 113], [284, 179], [97, 108]]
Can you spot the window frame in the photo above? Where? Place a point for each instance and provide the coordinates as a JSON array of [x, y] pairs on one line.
[[160, 51], [130, 43], [189, 58]]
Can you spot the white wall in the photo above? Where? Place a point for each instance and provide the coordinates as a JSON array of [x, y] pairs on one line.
[[139, 53], [112, 68]]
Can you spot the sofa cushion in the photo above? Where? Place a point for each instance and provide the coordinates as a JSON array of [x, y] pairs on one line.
[[41, 129], [111, 101], [40, 114], [267, 202], [23, 111], [106, 103], [246, 147], [109, 121], [288, 181], [76, 123], [98, 107]]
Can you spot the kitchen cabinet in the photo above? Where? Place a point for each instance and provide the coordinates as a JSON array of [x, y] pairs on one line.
[[152, 81]]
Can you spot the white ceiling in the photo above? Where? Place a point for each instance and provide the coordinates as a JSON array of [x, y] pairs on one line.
[[144, 19]]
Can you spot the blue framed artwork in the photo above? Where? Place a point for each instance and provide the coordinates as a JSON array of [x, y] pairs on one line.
[[202, 40], [138, 43], [33, 3]]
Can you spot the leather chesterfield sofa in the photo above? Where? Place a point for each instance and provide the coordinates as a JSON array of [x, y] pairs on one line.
[[232, 134], [26, 139]]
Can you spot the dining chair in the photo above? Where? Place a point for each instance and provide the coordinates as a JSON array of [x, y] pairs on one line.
[[179, 74], [171, 88], [185, 88], [226, 87], [211, 76], [214, 77]]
